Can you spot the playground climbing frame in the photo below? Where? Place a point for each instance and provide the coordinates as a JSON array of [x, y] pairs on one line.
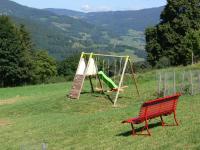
[[88, 68]]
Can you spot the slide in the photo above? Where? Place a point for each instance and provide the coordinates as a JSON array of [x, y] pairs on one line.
[[109, 82]]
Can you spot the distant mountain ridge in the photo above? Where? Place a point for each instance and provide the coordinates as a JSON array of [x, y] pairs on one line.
[[66, 12], [64, 32], [118, 22], [61, 36]]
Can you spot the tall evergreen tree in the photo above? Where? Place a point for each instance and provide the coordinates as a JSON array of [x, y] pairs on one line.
[[19, 64], [172, 38], [15, 61]]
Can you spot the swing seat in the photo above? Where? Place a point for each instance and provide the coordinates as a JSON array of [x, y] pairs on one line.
[[121, 89], [99, 89], [109, 91]]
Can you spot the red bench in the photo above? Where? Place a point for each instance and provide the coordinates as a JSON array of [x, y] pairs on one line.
[[155, 108]]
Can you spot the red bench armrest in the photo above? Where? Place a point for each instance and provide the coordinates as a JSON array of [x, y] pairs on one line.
[[133, 120]]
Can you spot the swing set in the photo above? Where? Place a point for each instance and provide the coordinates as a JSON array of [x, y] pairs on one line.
[[109, 75]]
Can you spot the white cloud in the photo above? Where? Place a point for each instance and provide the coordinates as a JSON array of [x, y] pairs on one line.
[[88, 8]]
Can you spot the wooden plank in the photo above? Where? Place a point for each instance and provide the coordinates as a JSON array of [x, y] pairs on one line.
[[183, 82], [91, 84], [165, 84], [104, 55], [121, 80], [191, 83], [76, 87], [159, 84], [174, 82]]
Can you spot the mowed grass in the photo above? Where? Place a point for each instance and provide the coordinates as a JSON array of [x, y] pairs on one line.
[[32, 115]]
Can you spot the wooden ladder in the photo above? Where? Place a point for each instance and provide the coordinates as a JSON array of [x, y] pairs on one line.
[[77, 87]]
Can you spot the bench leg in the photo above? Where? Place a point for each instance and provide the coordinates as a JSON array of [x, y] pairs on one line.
[[162, 122], [175, 118], [133, 130], [147, 127]]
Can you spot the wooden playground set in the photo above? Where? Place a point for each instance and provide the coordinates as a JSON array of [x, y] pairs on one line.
[[110, 73], [93, 66]]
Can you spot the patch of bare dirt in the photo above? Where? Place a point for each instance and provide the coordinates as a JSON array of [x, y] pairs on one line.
[[11, 100], [4, 123]]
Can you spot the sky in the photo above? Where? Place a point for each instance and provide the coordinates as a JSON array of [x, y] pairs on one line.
[[93, 5]]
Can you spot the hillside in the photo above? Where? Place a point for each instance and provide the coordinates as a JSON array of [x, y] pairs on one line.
[[32, 115], [127, 26], [119, 22], [67, 12], [59, 35], [65, 32]]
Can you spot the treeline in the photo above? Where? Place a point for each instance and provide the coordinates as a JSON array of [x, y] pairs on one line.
[[21, 63], [176, 39]]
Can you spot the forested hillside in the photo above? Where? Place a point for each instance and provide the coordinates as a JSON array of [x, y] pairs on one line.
[[59, 35], [127, 26], [65, 32], [20, 62], [67, 12], [119, 22]]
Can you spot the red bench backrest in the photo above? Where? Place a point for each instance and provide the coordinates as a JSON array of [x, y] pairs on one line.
[[160, 106]]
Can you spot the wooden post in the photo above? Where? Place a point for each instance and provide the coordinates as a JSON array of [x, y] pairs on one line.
[[121, 80], [103, 69], [165, 86], [120, 66], [159, 83], [101, 85], [199, 80], [108, 68], [133, 76], [191, 83], [174, 82], [97, 76], [183, 81], [91, 85], [115, 70]]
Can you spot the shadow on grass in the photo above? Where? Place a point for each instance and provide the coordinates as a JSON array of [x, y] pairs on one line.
[[129, 133], [99, 94]]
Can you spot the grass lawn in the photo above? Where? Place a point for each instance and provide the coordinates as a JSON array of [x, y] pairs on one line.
[[32, 115]]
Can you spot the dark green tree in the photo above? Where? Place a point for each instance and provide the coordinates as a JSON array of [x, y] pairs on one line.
[[14, 55], [45, 67], [19, 64], [27, 55], [68, 66], [172, 38]]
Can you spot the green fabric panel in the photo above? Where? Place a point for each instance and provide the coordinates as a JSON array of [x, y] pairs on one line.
[[107, 80]]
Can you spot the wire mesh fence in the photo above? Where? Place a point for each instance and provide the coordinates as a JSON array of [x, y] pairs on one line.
[[185, 82]]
